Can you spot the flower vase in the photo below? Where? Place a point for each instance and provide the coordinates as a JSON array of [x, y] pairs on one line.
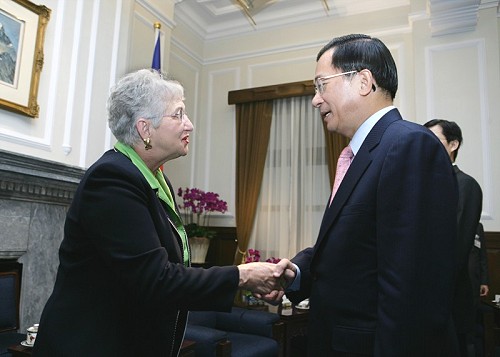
[[240, 299], [199, 249]]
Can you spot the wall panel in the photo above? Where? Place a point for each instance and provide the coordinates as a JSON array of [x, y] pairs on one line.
[[220, 159], [182, 171], [457, 91], [79, 46], [293, 68]]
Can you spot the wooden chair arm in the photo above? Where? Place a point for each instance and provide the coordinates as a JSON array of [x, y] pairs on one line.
[[223, 349], [279, 336]]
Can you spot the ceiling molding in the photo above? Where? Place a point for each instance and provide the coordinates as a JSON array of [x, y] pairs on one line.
[[453, 16], [222, 19], [240, 56], [211, 24], [218, 19]]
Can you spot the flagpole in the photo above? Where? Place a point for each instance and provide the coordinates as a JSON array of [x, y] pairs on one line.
[[156, 64]]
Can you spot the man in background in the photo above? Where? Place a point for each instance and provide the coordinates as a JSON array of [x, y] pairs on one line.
[[478, 266], [478, 272], [470, 203]]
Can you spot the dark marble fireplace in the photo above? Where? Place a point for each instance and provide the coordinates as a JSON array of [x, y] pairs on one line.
[[34, 197]]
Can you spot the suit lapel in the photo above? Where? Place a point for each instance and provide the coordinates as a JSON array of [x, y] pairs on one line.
[[351, 178], [356, 170], [163, 210]]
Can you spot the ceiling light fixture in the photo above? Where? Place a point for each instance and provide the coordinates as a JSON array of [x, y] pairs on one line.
[[251, 7], [325, 2], [246, 5]]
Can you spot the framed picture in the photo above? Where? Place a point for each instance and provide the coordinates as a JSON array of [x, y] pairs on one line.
[[22, 32]]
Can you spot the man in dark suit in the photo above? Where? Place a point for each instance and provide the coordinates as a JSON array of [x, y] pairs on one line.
[[478, 266], [470, 203], [378, 281], [479, 276]]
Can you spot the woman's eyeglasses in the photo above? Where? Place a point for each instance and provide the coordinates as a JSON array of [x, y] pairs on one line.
[[179, 116]]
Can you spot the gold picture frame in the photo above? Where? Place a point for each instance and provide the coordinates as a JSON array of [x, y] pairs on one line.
[[22, 33]]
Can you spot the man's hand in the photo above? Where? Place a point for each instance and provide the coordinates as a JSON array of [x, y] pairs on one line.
[[286, 271], [483, 290], [258, 278], [284, 274], [266, 278]]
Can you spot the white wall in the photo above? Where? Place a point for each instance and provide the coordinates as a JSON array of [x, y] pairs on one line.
[[89, 43], [459, 80], [453, 76]]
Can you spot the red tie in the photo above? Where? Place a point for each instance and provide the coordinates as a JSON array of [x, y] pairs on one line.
[[343, 163]]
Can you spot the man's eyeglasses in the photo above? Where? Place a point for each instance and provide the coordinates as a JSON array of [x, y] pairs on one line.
[[319, 86], [179, 116]]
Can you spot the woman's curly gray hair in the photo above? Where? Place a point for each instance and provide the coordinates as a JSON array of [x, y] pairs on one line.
[[142, 94]]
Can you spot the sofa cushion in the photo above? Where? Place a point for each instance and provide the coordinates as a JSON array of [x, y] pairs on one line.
[[246, 345], [8, 301], [206, 339], [203, 318], [247, 321]]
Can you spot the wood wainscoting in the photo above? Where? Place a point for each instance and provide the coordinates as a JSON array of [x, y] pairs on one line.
[[491, 312], [222, 247], [493, 248]]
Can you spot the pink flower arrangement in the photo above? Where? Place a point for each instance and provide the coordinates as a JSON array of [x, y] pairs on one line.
[[254, 256], [197, 206]]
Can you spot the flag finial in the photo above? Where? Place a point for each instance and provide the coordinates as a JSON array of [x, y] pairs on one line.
[[157, 25]]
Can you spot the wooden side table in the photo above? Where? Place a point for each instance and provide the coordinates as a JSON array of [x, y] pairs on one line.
[[20, 350], [294, 332], [491, 319], [187, 350]]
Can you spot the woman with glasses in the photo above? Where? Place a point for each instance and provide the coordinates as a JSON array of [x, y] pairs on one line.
[[124, 284]]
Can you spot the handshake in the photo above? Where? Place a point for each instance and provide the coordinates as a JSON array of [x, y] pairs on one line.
[[267, 281]]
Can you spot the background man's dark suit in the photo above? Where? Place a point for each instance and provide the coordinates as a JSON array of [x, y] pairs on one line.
[[378, 281], [478, 265], [479, 276], [470, 203]]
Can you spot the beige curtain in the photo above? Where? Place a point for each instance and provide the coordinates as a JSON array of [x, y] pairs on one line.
[[253, 123]]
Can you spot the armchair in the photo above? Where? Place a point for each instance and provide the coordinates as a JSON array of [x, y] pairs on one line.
[[9, 309], [241, 332]]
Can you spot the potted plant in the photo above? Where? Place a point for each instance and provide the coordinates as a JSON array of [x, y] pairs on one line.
[[197, 207]]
